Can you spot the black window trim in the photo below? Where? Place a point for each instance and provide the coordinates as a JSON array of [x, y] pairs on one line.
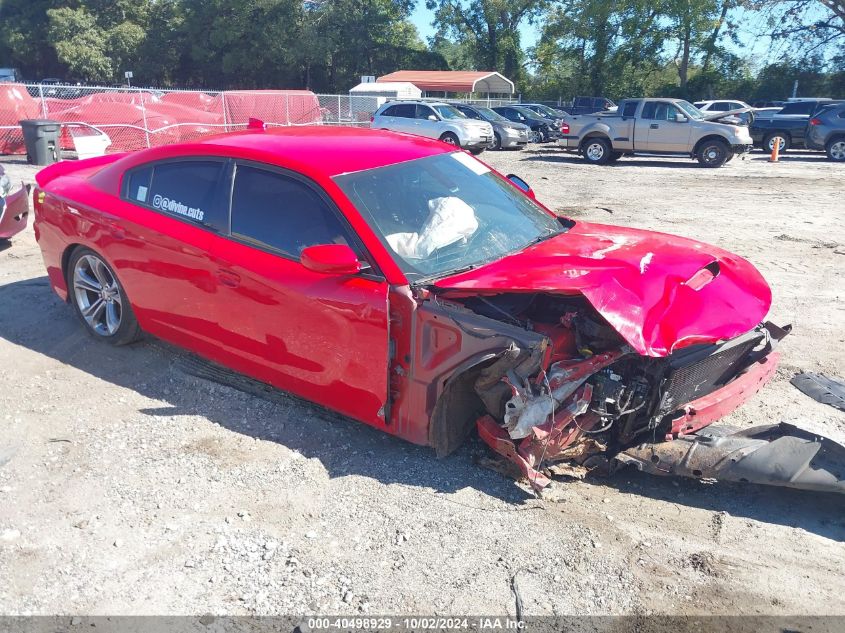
[[373, 272], [127, 175], [228, 181]]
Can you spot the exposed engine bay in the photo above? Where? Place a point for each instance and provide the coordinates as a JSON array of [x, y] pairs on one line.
[[589, 396]]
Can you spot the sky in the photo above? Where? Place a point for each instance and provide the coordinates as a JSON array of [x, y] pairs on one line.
[[754, 47]]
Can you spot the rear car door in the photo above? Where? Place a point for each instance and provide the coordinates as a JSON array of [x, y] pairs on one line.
[[160, 247], [321, 336], [399, 118]]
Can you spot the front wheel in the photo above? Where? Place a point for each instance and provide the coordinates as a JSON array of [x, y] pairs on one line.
[[835, 149], [713, 153], [597, 151], [497, 141], [451, 139], [99, 300]]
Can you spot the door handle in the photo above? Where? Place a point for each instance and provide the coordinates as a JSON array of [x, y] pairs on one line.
[[228, 278], [654, 126]]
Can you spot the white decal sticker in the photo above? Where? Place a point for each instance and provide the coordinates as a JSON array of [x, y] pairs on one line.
[[174, 206], [142, 194], [468, 161]]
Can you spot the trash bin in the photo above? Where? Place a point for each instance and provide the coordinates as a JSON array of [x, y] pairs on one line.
[[41, 137]]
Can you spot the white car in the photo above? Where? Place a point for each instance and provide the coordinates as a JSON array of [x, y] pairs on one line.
[[435, 120], [726, 106]]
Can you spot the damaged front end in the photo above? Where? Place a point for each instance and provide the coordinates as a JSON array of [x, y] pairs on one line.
[[586, 400]]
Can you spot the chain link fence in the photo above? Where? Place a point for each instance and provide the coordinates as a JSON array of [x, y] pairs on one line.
[[136, 118]]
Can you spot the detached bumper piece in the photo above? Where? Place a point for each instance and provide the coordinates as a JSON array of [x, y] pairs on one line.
[[14, 212], [777, 455]]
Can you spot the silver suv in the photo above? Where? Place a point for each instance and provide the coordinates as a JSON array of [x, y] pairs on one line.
[[434, 119]]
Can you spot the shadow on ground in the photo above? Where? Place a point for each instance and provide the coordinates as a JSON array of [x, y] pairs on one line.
[[32, 317], [551, 155]]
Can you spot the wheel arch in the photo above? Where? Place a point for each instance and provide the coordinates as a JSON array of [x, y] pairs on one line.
[[594, 134], [457, 402], [707, 139], [70, 249]]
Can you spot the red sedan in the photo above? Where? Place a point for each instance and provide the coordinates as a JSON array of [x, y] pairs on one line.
[[409, 286]]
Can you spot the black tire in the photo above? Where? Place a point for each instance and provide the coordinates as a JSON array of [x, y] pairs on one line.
[[91, 281], [597, 151], [476, 151], [784, 146], [835, 149], [713, 153], [451, 139], [544, 136], [497, 141]]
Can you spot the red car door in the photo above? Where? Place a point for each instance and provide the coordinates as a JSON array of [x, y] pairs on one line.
[[321, 336], [159, 246]]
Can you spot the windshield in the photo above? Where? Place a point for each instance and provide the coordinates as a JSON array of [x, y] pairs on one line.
[[690, 110], [489, 114], [549, 112], [448, 112], [445, 213], [528, 112]]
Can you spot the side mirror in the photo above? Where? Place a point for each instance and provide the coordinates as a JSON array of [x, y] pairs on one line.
[[680, 118], [521, 184], [431, 117], [332, 259]]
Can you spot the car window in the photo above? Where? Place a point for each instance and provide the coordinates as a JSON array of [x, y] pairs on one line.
[[283, 213], [648, 110], [630, 108], [721, 106], [188, 189], [404, 110], [665, 112], [423, 111], [445, 212], [801, 107], [468, 112], [391, 111]]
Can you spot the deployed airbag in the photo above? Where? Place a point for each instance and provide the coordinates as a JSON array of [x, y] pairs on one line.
[[450, 219]]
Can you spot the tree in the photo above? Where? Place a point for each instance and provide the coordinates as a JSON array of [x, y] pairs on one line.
[[80, 44], [490, 29], [601, 48]]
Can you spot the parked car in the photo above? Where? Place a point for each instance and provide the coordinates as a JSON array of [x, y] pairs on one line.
[[555, 114], [826, 131], [412, 288], [789, 125], [745, 117], [590, 105], [14, 207], [434, 120], [665, 127], [543, 130], [506, 134]]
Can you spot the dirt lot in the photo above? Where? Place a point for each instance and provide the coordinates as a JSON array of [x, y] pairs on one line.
[[128, 487]]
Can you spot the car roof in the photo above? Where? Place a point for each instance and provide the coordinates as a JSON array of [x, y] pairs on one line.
[[330, 150]]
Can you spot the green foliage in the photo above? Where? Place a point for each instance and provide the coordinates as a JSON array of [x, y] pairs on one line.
[[615, 48], [487, 31]]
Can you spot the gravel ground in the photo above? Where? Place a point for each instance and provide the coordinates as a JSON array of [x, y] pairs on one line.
[[128, 487]]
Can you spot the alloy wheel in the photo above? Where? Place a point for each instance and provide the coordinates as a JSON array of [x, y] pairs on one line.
[[97, 295], [595, 151], [837, 150]]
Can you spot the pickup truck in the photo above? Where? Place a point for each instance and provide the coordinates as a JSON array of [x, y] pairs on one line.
[[790, 125], [665, 127]]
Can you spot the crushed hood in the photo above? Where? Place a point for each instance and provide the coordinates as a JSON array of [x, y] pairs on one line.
[[715, 116], [660, 292]]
